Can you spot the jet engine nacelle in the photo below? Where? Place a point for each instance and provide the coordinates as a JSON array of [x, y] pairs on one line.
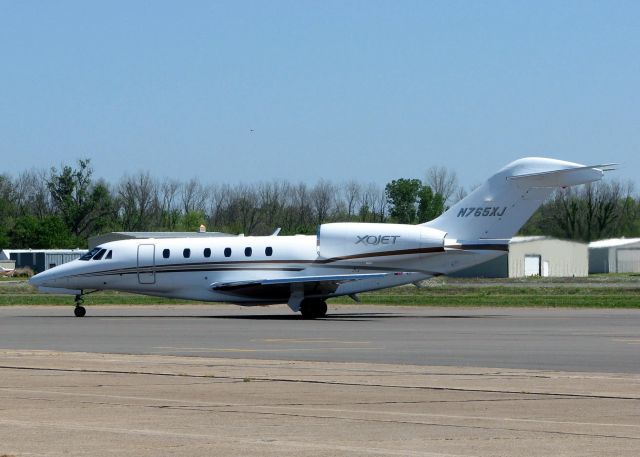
[[344, 239]]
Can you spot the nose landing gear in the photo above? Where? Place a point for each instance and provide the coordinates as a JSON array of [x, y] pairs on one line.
[[79, 310]]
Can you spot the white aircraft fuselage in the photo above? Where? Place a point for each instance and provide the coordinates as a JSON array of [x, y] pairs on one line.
[[342, 259]]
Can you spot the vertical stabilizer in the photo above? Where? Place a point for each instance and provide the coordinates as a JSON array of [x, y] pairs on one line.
[[499, 207]]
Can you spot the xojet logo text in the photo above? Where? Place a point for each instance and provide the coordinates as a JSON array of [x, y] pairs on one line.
[[375, 240]]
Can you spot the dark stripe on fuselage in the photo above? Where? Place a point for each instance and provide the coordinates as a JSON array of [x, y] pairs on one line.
[[384, 254], [480, 247], [151, 269]]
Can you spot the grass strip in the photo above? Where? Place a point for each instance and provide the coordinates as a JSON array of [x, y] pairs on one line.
[[447, 295], [473, 300], [501, 296], [93, 299]]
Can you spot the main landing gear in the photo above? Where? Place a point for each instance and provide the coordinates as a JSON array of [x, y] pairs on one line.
[[79, 310], [312, 308]]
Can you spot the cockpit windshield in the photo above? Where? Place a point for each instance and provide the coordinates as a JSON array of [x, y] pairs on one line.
[[99, 255], [90, 254]]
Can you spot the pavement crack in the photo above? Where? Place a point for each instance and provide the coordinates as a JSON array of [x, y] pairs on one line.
[[415, 402], [320, 382], [432, 424]]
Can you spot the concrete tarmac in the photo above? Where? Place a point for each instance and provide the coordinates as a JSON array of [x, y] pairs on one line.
[[79, 404], [219, 380]]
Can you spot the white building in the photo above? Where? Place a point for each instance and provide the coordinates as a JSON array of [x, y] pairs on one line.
[[615, 255], [534, 256]]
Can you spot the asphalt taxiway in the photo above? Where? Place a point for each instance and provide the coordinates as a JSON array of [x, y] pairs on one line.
[[201, 381], [548, 339]]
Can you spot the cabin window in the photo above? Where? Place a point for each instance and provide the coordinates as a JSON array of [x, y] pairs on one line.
[[166, 253], [186, 253], [268, 251], [227, 252], [90, 254], [108, 257], [99, 255], [247, 252], [207, 252]]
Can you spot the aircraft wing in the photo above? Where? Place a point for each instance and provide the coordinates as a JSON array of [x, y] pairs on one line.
[[319, 280]]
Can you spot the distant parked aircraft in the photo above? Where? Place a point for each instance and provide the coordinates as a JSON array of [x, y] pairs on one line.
[[341, 259]]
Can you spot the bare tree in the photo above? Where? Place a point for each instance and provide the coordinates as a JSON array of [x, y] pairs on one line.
[[322, 197], [629, 211], [8, 197], [373, 204], [138, 198], [459, 195], [271, 200], [442, 181], [352, 190], [245, 206], [301, 206], [193, 196], [168, 192], [32, 195], [219, 197], [367, 202], [170, 212]]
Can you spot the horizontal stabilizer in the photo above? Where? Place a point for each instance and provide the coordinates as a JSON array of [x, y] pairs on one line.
[[563, 178], [603, 167]]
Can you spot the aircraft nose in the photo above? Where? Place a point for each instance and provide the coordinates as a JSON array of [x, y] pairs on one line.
[[44, 279], [37, 280]]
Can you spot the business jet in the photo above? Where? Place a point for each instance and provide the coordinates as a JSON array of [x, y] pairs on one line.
[[341, 259]]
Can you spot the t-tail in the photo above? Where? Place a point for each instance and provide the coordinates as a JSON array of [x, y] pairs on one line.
[[500, 207]]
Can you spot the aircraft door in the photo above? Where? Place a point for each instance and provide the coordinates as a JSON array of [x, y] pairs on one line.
[[146, 264]]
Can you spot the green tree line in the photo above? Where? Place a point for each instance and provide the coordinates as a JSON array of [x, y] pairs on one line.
[[63, 207], [605, 209]]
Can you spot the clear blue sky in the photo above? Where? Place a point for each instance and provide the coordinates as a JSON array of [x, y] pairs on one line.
[[365, 89]]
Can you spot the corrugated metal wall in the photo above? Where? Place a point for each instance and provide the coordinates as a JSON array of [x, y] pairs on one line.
[[565, 258], [53, 260], [40, 261], [627, 260]]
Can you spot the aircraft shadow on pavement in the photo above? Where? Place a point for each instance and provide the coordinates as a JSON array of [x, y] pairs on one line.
[[250, 317], [344, 317], [353, 317]]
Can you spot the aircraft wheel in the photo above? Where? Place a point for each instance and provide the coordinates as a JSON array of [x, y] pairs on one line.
[[79, 311], [312, 309], [321, 309]]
